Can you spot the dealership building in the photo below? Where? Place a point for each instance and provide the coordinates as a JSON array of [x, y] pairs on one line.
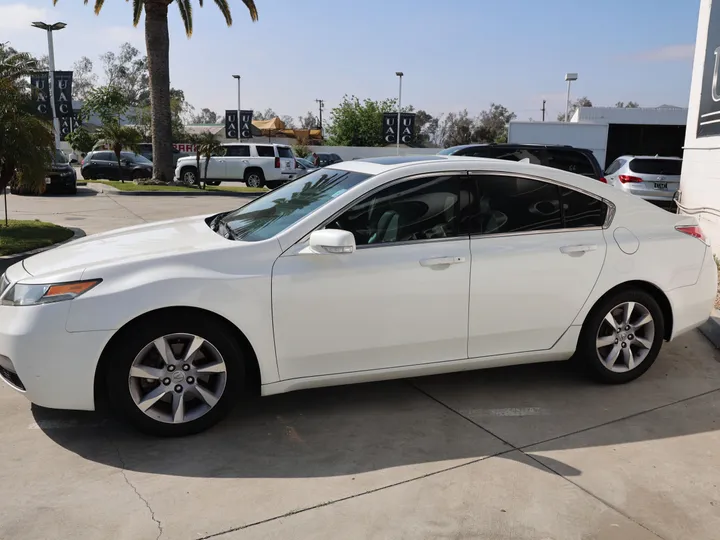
[[700, 183]]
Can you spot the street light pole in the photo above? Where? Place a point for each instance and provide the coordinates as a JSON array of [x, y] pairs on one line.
[[49, 28], [238, 109], [400, 76], [321, 103], [569, 77]]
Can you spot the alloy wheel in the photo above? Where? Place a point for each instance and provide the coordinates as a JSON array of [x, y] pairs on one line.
[[177, 378], [253, 180], [625, 337], [189, 177]]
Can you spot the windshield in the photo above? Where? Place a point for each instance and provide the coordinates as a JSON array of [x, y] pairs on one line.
[[671, 167], [305, 163], [60, 157], [269, 215]]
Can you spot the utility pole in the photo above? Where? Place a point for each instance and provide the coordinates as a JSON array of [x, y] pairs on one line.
[[543, 110], [321, 104], [50, 28]]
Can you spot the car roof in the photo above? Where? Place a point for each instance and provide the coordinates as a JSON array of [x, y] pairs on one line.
[[675, 158], [255, 144], [518, 145]]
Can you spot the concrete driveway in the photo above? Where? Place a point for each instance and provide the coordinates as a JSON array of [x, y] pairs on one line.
[[531, 452]]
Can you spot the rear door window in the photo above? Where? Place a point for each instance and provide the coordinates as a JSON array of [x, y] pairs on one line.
[[581, 210], [102, 156], [567, 160], [669, 167], [265, 151]]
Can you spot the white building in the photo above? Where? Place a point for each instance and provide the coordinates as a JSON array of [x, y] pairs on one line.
[[610, 131], [700, 183]]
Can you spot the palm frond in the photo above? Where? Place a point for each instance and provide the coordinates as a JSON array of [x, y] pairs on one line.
[[137, 11], [225, 10], [250, 4], [185, 8], [98, 6]]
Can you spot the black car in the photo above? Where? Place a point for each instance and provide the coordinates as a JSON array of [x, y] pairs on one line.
[[59, 178], [327, 159], [103, 165], [567, 158]]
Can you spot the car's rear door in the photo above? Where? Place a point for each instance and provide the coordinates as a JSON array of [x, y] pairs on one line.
[[287, 162], [236, 159], [537, 251]]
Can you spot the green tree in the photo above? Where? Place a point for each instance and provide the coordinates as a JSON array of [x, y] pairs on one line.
[[356, 123], [207, 147], [158, 50], [268, 114], [628, 105], [580, 102], [27, 143], [84, 78], [15, 66], [206, 116], [309, 121], [128, 72], [81, 140], [492, 124], [120, 138], [107, 102]]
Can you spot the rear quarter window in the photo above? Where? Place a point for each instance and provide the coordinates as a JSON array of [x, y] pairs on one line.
[[670, 167], [265, 151], [574, 162], [285, 152]]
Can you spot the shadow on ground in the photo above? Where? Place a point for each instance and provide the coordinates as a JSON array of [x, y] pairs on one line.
[[354, 429]]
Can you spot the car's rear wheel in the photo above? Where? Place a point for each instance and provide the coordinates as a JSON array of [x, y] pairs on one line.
[[254, 178], [175, 377], [622, 337]]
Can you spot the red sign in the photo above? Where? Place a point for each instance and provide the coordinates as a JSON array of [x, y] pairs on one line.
[[184, 147]]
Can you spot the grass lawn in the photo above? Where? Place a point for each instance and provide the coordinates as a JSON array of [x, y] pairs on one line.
[[22, 236], [131, 186]]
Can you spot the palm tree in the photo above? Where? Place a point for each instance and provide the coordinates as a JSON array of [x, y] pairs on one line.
[[157, 42], [207, 147], [15, 65], [120, 138]]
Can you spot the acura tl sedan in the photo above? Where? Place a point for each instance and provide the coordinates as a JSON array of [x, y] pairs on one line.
[[364, 270]]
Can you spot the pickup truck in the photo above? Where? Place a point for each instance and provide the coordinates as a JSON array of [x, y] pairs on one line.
[[255, 164]]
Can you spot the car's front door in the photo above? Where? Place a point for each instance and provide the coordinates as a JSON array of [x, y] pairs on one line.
[[400, 299], [537, 251]]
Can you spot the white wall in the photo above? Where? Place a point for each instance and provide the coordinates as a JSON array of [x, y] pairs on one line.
[[668, 116], [700, 181], [358, 152], [591, 136]]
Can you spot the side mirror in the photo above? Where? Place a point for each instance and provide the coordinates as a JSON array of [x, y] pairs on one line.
[[331, 241]]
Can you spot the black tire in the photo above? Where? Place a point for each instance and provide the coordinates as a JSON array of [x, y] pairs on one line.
[[137, 175], [190, 172], [596, 326], [254, 178], [137, 336], [73, 190]]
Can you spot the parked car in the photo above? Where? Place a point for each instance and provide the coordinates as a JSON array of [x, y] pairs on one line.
[[305, 165], [104, 165], [653, 178], [565, 158], [59, 178], [146, 150], [328, 159], [257, 165], [365, 270]]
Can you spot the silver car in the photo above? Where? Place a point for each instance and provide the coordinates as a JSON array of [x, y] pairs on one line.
[[654, 178]]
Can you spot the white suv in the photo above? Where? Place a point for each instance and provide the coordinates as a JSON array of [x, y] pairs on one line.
[[257, 165]]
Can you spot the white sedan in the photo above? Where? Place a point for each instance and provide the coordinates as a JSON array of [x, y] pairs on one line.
[[364, 270]]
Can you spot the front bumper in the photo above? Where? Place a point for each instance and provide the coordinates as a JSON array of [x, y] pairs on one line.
[[56, 368]]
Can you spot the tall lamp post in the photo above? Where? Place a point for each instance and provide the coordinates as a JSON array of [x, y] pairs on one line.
[[321, 104], [569, 77], [238, 114], [400, 76], [50, 28]]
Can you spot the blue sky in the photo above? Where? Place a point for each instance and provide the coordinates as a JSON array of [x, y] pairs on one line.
[[456, 54]]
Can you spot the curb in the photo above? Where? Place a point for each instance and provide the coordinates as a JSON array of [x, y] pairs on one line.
[[77, 233], [102, 188], [711, 328]]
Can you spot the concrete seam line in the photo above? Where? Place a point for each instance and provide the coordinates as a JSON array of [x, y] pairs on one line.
[[356, 495], [627, 417], [591, 494], [126, 208], [123, 471]]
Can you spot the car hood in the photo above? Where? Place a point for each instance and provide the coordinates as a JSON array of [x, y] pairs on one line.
[[151, 241]]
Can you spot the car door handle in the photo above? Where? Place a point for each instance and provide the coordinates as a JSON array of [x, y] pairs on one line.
[[569, 250], [441, 261]]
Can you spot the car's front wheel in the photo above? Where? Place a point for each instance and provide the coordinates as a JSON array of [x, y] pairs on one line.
[[174, 377], [622, 337], [189, 175]]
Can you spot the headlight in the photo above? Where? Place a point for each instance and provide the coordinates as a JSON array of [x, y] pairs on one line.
[[31, 295]]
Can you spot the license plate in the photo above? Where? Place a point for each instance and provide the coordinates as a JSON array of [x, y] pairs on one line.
[[660, 185], [48, 180]]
